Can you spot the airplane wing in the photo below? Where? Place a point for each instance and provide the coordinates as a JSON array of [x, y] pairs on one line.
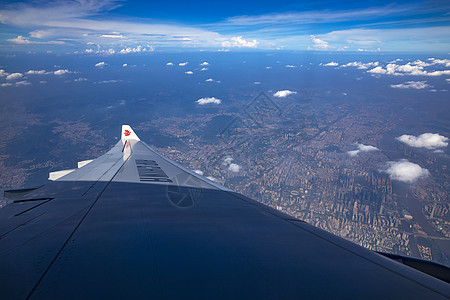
[[134, 224]]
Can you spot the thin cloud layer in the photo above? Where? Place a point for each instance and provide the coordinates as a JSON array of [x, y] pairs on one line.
[[430, 141], [418, 85], [362, 148], [208, 100], [405, 171], [284, 93]]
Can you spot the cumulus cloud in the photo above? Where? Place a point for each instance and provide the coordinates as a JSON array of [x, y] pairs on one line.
[[331, 64], [182, 64], [124, 65], [257, 82], [3, 73], [169, 64], [235, 168], [36, 72], [361, 65], [80, 79], [189, 72], [284, 93], [137, 49], [211, 178], [22, 83], [418, 85], [416, 68], [205, 63], [405, 171], [239, 42], [21, 40], [209, 80], [61, 72], [445, 62], [208, 100], [14, 76], [289, 66], [318, 44], [199, 172], [100, 64], [203, 69], [361, 148], [426, 140], [6, 84]]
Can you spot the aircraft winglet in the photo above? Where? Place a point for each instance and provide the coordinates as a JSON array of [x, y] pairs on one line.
[[128, 134]]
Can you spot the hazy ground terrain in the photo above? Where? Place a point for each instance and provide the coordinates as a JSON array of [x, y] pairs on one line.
[[315, 135]]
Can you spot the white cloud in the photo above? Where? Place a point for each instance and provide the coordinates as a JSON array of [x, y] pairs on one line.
[[21, 40], [268, 67], [22, 83], [61, 72], [318, 44], [377, 70], [426, 140], [405, 171], [205, 63], [208, 100], [6, 84], [36, 72], [284, 93], [169, 64], [361, 65], [289, 66], [199, 172], [257, 82], [203, 69], [362, 148], [14, 76], [183, 64], [209, 80], [101, 64], [238, 41], [445, 62], [89, 51], [124, 65], [137, 49], [235, 168], [42, 82], [112, 36], [189, 72], [211, 178], [80, 79], [407, 69], [418, 85], [331, 64], [3, 73]]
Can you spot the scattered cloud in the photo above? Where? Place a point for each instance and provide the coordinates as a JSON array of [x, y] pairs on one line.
[[209, 80], [287, 66], [36, 72], [361, 65], [284, 93], [189, 72], [418, 85], [21, 40], [22, 83], [235, 168], [80, 79], [61, 72], [426, 140], [3, 73], [405, 171], [137, 49], [101, 64], [331, 64], [205, 63], [208, 100], [199, 172], [169, 64], [239, 42], [182, 64], [257, 82], [318, 44], [203, 69], [124, 65], [362, 148], [6, 84], [415, 68], [14, 76]]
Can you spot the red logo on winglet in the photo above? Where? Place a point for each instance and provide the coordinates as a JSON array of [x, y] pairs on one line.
[[127, 133]]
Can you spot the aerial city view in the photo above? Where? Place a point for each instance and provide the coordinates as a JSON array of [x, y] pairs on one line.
[[336, 116]]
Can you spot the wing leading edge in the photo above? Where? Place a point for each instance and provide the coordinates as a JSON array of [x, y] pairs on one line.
[[132, 223]]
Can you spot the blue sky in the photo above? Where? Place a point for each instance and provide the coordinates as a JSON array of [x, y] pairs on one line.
[[108, 26]]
